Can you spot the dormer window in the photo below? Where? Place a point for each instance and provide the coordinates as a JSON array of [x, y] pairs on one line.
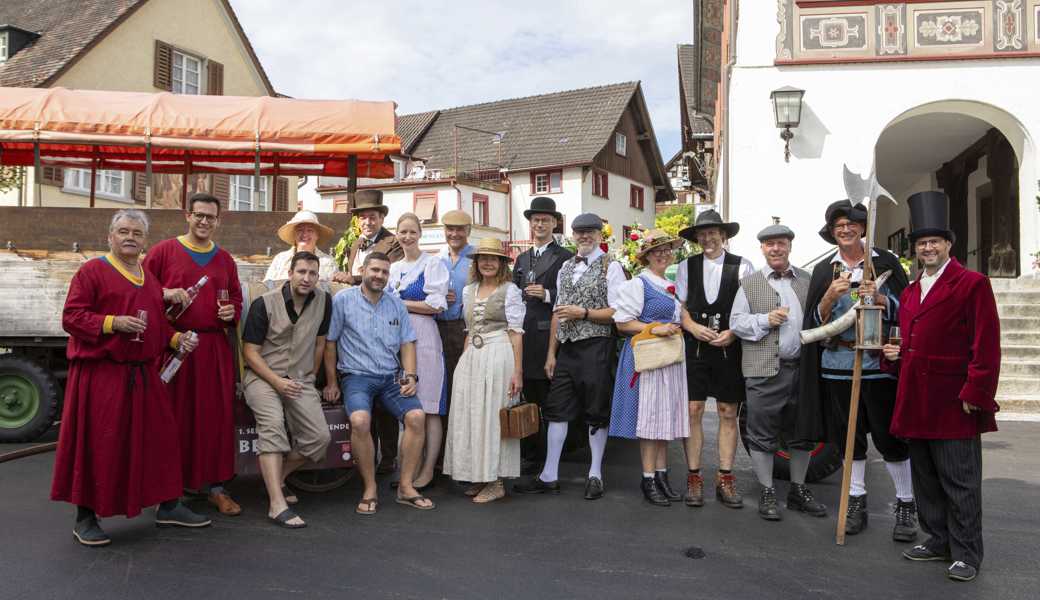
[[13, 39], [3, 46]]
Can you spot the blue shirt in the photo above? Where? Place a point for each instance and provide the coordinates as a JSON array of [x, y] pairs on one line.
[[368, 337], [459, 276]]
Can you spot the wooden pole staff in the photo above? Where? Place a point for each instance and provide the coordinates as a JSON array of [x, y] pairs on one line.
[[850, 443]]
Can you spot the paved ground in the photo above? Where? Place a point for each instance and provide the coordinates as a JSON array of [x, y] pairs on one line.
[[523, 547]]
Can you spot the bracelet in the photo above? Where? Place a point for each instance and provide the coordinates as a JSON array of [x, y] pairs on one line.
[[586, 317]]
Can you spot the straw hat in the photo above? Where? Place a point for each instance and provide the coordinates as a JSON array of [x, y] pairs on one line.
[[656, 238], [287, 232], [490, 247]]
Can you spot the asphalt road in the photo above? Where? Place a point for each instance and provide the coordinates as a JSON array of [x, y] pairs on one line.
[[521, 547]]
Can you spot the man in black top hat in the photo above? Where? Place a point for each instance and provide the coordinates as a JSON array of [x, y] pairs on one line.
[[826, 367], [706, 284], [535, 274]]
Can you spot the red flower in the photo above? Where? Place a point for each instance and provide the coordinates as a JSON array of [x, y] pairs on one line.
[[603, 246], [671, 290], [633, 236]]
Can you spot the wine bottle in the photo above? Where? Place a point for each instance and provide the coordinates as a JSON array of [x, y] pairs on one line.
[[174, 362], [175, 311]]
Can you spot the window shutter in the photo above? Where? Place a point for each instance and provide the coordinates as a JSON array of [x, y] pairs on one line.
[[52, 176], [140, 192], [281, 194], [222, 189], [215, 78], [425, 205], [162, 76]]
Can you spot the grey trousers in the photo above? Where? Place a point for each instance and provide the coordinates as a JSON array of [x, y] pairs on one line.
[[947, 476], [772, 408]]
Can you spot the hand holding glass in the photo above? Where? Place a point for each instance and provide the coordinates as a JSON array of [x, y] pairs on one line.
[[143, 315]]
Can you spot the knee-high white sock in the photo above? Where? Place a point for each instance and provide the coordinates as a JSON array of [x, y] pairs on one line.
[[900, 472], [858, 487], [556, 436], [799, 465], [763, 463], [598, 446]]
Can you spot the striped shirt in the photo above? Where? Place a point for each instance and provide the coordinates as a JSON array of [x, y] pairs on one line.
[[368, 336]]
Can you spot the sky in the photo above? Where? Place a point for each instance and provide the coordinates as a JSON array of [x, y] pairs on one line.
[[441, 54]]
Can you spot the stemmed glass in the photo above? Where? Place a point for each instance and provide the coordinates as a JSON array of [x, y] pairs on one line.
[[894, 336], [223, 298], [143, 315]]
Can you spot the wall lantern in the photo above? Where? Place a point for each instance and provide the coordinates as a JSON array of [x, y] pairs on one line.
[[787, 108]]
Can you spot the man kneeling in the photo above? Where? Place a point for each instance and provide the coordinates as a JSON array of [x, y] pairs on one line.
[[284, 342]]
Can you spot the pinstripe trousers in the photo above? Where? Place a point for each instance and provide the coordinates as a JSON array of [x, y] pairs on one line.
[[947, 476]]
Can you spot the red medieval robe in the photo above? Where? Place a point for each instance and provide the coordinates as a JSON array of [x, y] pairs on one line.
[[117, 450], [203, 391]]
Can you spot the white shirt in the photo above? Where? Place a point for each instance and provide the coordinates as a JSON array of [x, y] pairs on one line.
[[279, 268], [927, 281], [515, 308], [628, 303], [359, 258], [856, 269], [536, 255], [712, 276], [615, 275], [755, 326], [435, 283]]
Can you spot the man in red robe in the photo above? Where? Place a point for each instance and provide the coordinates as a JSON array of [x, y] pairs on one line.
[[203, 391], [948, 364], [117, 451]]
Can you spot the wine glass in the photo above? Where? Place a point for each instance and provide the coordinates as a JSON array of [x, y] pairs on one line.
[[143, 315], [223, 298], [894, 336], [531, 277]]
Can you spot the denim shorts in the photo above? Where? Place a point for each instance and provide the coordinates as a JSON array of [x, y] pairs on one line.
[[360, 391]]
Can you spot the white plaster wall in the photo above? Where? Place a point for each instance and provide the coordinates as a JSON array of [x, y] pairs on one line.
[[568, 201]]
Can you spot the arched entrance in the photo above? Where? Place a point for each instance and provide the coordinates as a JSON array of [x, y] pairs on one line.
[[973, 152]]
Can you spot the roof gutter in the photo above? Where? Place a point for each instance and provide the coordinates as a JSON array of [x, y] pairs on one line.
[[726, 75]]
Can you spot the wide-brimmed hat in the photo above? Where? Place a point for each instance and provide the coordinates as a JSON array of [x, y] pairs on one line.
[[287, 232], [930, 215], [456, 218], [490, 247], [656, 238], [368, 200], [706, 219], [543, 205], [857, 213]]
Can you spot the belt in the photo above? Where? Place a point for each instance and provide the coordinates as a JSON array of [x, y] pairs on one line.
[[135, 368], [790, 362], [479, 340], [851, 345]]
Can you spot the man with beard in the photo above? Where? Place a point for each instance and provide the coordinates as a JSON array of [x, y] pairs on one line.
[[826, 367], [203, 391]]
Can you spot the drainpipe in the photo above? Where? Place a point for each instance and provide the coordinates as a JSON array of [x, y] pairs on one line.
[[509, 205], [727, 73], [458, 191]]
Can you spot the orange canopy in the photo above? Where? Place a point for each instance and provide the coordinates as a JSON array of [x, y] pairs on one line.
[[185, 133]]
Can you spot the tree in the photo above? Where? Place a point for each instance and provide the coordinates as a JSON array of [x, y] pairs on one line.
[[10, 178]]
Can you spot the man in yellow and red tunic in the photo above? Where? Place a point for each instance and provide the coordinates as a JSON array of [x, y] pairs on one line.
[[203, 391], [118, 451]]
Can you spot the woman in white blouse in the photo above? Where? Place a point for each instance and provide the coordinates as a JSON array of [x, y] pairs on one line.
[[489, 377], [421, 281], [303, 232]]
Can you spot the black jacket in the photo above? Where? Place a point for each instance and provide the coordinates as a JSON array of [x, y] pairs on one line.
[[539, 312]]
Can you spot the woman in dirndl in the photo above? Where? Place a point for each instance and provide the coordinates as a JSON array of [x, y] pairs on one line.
[[421, 281], [489, 377], [651, 405]]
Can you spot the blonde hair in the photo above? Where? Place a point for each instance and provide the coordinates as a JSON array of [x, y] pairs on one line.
[[504, 272], [410, 217]]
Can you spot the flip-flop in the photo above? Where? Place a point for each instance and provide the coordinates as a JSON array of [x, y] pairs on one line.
[[371, 503], [289, 495], [413, 501], [283, 518]]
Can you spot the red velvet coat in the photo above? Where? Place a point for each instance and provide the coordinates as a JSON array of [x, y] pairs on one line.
[[950, 354]]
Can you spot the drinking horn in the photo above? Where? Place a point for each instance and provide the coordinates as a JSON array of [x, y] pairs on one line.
[[839, 325]]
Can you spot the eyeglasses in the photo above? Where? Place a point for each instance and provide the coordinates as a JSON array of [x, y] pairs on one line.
[[846, 225], [936, 242], [204, 218]]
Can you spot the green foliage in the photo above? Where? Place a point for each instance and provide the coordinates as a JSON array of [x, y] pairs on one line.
[[342, 250], [10, 178]]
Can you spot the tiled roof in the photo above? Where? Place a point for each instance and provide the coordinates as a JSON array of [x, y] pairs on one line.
[[688, 57], [411, 127]]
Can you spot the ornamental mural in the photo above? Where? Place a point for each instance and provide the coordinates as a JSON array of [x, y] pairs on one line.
[[960, 28]]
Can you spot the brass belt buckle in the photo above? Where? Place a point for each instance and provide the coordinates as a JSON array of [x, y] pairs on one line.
[[478, 342]]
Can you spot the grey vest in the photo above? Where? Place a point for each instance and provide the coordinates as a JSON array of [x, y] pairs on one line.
[[762, 358], [589, 291], [288, 348], [491, 315]]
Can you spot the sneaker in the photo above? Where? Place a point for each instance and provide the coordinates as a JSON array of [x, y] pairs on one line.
[[961, 571], [180, 516], [726, 490], [800, 497], [767, 505], [906, 521], [921, 552], [856, 515], [694, 490], [89, 533]]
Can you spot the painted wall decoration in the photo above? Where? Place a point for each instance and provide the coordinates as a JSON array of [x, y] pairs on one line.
[[947, 28], [891, 29], [839, 31], [1008, 25]]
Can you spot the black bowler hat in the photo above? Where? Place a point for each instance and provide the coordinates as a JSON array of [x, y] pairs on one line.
[[706, 219], [930, 215], [543, 205], [857, 213]]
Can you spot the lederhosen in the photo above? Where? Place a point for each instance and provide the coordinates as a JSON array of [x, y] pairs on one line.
[[712, 371]]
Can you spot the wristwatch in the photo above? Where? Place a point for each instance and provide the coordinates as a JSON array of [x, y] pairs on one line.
[[411, 375]]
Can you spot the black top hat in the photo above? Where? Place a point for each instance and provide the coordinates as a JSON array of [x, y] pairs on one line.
[[543, 205], [706, 219], [857, 213], [930, 215]]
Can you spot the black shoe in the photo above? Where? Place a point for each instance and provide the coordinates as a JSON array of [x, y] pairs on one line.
[[593, 488], [906, 522], [799, 497], [961, 571], [535, 485], [767, 505], [856, 516], [661, 478], [921, 552], [652, 492], [530, 467], [89, 533], [179, 516]]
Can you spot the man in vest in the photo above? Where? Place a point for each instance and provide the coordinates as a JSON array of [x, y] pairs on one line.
[[767, 317], [706, 285], [284, 339], [581, 355]]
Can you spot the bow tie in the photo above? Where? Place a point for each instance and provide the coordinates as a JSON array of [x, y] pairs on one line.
[[366, 244], [788, 274], [581, 260]]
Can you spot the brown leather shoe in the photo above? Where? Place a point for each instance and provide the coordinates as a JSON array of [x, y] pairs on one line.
[[225, 504], [694, 490], [726, 490]]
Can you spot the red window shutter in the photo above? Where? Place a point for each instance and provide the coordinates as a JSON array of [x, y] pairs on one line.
[[140, 189], [215, 78], [222, 189], [281, 194], [162, 77], [605, 184], [52, 176]]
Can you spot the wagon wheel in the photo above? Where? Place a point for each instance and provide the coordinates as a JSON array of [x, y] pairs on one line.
[[824, 459], [319, 480], [29, 398]]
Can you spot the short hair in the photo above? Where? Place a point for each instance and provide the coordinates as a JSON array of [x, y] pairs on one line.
[[504, 272], [129, 213], [410, 217], [204, 198], [303, 255], [375, 256]]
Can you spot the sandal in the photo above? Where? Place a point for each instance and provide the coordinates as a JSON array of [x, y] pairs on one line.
[[495, 490], [283, 518], [474, 489], [372, 505], [413, 501], [289, 495]]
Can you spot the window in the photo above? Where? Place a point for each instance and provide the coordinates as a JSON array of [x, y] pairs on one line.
[[635, 199], [186, 74], [548, 182], [480, 209], [599, 184], [425, 206], [242, 193], [108, 184], [620, 144], [3, 46]]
